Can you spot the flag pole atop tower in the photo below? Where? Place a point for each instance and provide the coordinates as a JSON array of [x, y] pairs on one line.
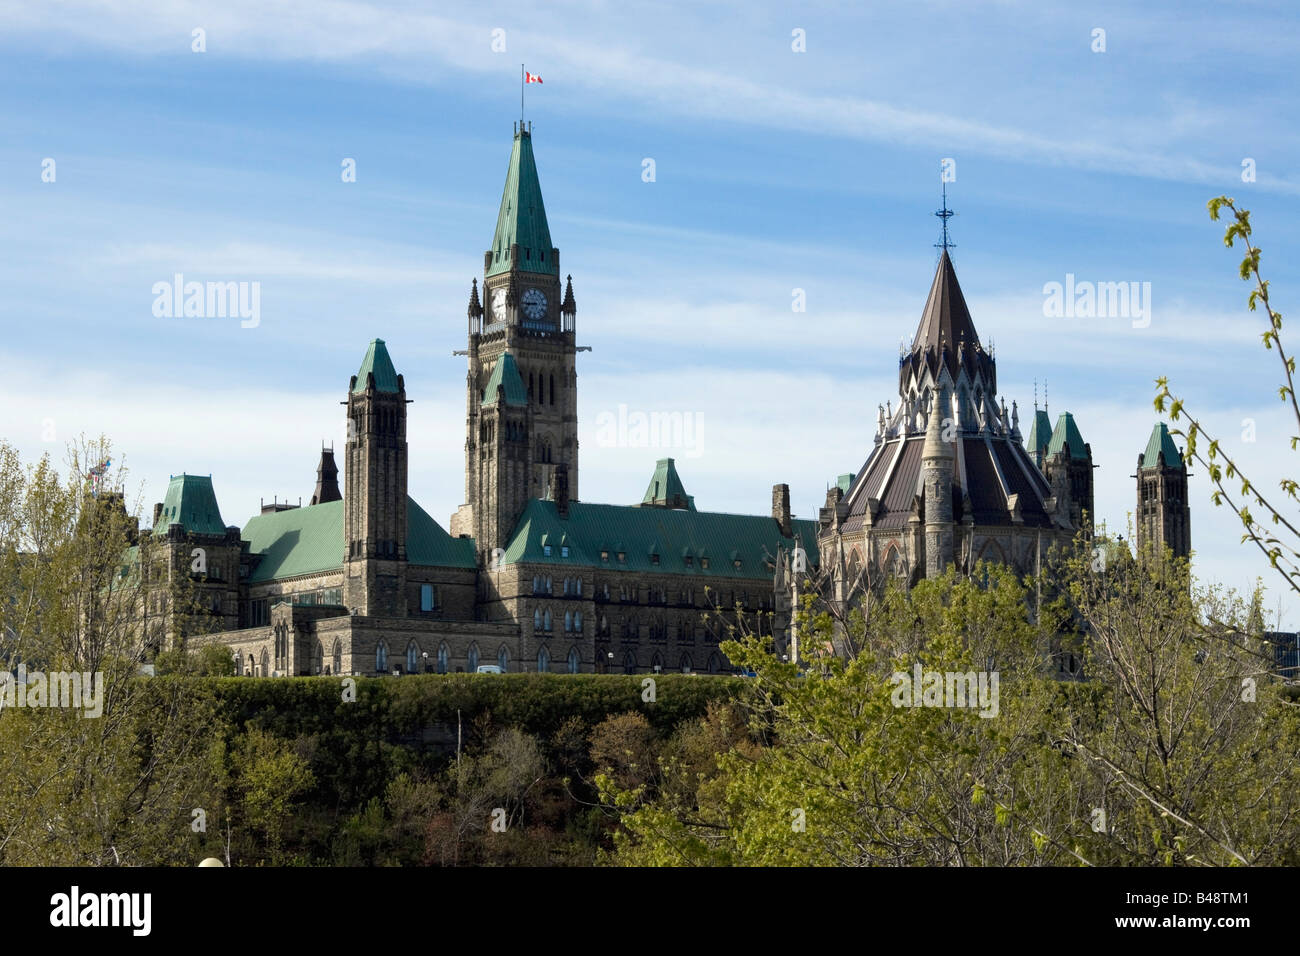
[[521, 96]]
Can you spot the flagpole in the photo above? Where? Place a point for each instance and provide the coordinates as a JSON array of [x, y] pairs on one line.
[[521, 96]]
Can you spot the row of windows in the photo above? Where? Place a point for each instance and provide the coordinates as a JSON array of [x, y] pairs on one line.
[[540, 389], [542, 584], [418, 660], [542, 621], [415, 659]]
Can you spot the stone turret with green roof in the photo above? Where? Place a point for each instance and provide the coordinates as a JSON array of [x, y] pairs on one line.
[[374, 491], [1164, 516], [201, 548], [1067, 463]]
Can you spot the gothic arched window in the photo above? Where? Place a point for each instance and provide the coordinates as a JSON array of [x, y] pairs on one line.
[[412, 658], [444, 657], [337, 655], [543, 660], [503, 658], [546, 620], [575, 660], [629, 663], [471, 658], [685, 664], [381, 658]]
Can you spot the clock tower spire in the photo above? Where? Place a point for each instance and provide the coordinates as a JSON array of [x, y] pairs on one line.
[[527, 320]]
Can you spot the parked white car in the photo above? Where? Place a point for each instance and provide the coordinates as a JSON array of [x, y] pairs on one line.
[[490, 669]]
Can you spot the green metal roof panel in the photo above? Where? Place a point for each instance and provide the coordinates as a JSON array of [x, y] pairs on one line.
[[1162, 441], [506, 373], [378, 362], [1065, 436], [298, 541], [522, 218], [310, 541], [427, 543], [666, 488], [191, 503], [1040, 432], [640, 532]]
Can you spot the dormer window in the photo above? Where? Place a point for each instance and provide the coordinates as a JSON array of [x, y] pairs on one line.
[[546, 550], [689, 560], [736, 564], [604, 554], [622, 557], [654, 559], [704, 563], [564, 550]]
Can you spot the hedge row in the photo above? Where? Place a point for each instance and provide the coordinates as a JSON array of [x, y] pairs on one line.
[[393, 709]]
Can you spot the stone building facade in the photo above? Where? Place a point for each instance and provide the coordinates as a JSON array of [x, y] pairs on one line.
[[529, 577]]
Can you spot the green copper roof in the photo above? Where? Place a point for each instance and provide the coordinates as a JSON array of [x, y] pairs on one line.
[[1162, 441], [1040, 432], [192, 504], [378, 362], [1065, 436], [681, 540], [506, 373], [310, 540], [522, 218], [666, 489]]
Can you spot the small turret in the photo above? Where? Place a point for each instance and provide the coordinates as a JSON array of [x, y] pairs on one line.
[[568, 307], [475, 307], [936, 473], [327, 479]]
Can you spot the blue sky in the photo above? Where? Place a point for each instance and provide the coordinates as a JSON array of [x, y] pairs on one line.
[[775, 171]]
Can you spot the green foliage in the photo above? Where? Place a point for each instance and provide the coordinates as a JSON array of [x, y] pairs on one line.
[[1158, 758], [1279, 538]]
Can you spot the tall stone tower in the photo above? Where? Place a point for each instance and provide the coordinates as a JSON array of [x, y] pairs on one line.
[[936, 475], [521, 346], [1163, 514], [374, 491], [1067, 463]]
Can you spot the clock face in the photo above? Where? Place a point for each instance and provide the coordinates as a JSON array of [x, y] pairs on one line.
[[534, 303], [499, 305]]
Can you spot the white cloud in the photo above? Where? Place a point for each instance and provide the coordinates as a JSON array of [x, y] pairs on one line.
[[419, 47]]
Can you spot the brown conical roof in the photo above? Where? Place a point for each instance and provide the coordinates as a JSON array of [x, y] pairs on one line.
[[946, 318], [946, 333]]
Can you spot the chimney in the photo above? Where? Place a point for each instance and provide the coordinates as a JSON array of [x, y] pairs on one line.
[[781, 509], [157, 513], [327, 478], [560, 489]]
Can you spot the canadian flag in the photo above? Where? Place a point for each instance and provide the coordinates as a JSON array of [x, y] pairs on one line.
[[532, 78]]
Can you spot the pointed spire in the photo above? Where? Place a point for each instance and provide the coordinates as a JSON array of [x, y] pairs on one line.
[[327, 478], [946, 337], [568, 307], [522, 230], [475, 308]]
